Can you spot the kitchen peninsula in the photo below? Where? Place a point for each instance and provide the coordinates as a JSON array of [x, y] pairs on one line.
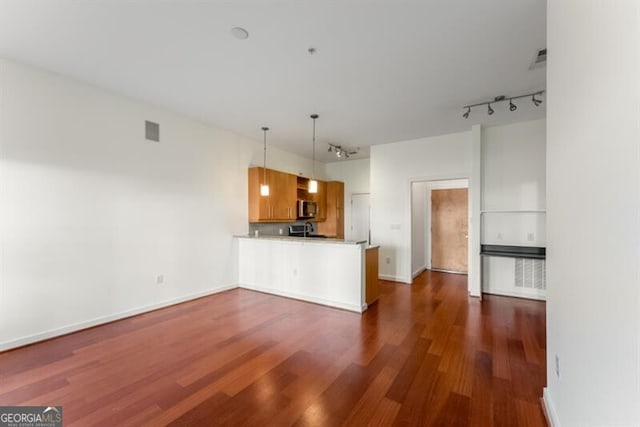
[[324, 271], [321, 268]]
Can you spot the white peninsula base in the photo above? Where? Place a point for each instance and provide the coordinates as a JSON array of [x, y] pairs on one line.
[[322, 271]]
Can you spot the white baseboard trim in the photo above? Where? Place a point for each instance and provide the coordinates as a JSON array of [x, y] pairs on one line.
[[394, 278], [358, 308], [418, 272], [31, 339], [508, 293], [549, 408]]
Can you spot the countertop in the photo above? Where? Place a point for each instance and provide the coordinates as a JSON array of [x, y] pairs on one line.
[[532, 252], [302, 239]]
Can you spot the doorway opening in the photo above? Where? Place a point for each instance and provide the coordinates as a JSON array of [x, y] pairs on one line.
[[360, 218], [439, 226]]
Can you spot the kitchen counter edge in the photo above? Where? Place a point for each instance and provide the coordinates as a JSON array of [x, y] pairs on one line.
[[302, 239]]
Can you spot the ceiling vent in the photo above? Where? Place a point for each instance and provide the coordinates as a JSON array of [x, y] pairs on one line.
[[540, 60]]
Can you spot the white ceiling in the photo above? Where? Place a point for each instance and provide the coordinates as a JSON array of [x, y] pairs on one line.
[[384, 71]]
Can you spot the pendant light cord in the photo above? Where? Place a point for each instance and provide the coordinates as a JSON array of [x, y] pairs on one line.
[[313, 174], [314, 117], [264, 157]]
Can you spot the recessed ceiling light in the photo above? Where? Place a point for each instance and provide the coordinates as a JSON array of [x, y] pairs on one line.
[[240, 33]]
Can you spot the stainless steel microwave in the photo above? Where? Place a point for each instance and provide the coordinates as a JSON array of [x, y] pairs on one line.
[[307, 209]]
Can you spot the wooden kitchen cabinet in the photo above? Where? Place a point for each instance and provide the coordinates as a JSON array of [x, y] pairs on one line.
[[333, 224], [280, 204], [321, 201], [372, 288]]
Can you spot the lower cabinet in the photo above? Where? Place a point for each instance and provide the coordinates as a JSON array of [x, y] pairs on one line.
[[372, 288]]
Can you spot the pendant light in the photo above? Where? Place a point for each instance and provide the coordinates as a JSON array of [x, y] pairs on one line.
[[264, 187], [313, 184]]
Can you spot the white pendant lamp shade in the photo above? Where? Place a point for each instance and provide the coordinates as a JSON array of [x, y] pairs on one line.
[[313, 184], [264, 187]]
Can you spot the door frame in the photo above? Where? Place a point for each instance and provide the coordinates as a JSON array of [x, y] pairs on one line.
[[350, 216], [438, 184]]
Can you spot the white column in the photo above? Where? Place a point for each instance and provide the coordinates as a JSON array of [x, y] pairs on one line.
[[475, 199]]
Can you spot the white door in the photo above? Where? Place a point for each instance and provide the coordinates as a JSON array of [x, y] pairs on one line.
[[360, 217]]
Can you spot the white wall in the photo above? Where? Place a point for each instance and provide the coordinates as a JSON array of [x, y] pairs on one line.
[[92, 213], [513, 180], [513, 166], [418, 222], [593, 202], [355, 175], [393, 168], [285, 162]]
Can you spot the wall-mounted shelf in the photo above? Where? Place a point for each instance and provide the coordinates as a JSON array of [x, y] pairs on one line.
[[531, 252]]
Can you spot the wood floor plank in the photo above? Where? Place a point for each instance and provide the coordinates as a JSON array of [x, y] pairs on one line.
[[385, 413], [363, 411], [423, 355]]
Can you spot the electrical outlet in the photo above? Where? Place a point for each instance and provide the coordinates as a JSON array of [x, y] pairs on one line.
[[160, 279], [499, 236], [295, 271], [388, 260], [530, 237], [557, 366]]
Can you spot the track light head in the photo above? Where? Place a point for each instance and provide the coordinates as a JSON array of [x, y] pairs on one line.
[[512, 106], [535, 101], [466, 114], [489, 109], [330, 149]]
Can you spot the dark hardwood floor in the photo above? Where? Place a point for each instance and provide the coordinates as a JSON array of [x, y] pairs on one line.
[[425, 354]]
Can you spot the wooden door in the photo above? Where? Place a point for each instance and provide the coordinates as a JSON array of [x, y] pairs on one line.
[[449, 230]]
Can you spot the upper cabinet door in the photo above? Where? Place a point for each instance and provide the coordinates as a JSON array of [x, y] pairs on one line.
[[283, 196], [321, 200], [259, 206], [280, 204]]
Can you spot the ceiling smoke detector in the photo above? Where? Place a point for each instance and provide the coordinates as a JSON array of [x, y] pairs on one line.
[[240, 33]]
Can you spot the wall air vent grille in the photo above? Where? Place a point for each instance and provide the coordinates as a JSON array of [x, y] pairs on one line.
[[152, 131], [540, 60], [530, 274]]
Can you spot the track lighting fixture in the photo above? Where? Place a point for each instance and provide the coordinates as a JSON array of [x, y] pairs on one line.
[[502, 98], [342, 152], [535, 101]]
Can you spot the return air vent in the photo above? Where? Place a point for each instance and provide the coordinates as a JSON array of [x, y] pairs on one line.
[[540, 60], [152, 131], [530, 274]]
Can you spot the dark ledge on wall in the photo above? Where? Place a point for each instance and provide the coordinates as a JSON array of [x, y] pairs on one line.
[[514, 251]]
